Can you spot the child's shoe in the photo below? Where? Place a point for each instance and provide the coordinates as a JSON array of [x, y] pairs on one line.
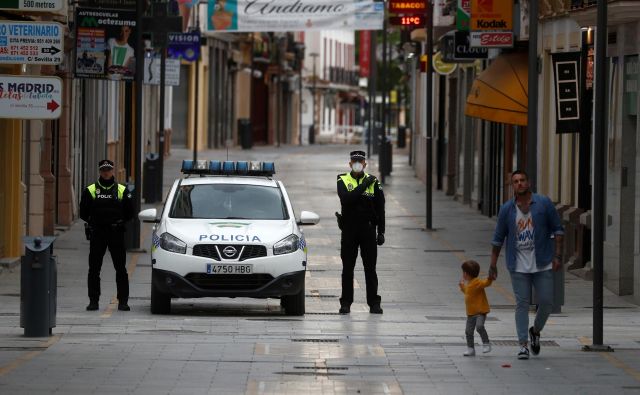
[[471, 352], [486, 347]]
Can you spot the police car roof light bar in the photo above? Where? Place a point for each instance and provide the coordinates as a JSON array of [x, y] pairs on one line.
[[216, 167]]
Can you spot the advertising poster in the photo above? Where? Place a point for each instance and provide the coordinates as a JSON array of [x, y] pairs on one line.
[[293, 15], [105, 42], [185, 46]]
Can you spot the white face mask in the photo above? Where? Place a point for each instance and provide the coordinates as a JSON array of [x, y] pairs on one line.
[[357, 167]]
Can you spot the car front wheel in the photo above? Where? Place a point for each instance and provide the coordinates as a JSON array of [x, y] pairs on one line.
[[160, 302], [293, 304]]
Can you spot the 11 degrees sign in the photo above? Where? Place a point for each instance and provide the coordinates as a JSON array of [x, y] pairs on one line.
[[32, 5]]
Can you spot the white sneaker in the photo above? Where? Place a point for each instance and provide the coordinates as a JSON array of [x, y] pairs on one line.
[[523, 353], [471, 352], [486, 347]]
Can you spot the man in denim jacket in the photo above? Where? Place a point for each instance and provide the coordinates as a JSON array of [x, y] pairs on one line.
[[532, 227]]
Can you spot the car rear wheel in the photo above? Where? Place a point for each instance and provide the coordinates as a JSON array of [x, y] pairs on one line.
[[160, 302], [293, 304]]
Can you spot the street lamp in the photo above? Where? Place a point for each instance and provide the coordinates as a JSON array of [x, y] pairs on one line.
[[312, 131]]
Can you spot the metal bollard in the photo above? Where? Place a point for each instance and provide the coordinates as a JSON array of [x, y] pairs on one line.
[[38, 287]]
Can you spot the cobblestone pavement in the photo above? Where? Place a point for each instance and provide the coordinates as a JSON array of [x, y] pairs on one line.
[[248, 346]]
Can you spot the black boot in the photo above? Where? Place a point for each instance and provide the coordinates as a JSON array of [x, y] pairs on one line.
[[123, 306], [93, 305], [344, 309], [375, 309]]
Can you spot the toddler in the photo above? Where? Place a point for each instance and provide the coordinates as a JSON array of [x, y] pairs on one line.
[[477, 305]]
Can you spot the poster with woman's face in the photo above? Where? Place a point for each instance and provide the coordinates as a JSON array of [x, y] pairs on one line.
[[223, 15]]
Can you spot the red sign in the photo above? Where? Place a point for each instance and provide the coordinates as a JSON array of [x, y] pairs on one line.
[[410, 7], [408, 20], [492, 39], [365, 53]]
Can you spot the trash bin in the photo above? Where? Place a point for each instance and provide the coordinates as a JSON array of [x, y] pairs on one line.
[[312, 135], [245, 133], [150, 178], [38, 287], [385, 158], [402, 136]]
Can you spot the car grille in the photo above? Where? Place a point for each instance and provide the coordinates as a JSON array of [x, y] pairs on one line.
[[206, 250], [248, 251], [253, 251], [229, 281]]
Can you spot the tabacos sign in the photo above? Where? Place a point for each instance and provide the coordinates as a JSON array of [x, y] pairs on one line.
[[491, 15]]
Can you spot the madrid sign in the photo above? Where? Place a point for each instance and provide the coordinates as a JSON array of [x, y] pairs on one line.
[[30, 97], [32, 5], [31, 42]]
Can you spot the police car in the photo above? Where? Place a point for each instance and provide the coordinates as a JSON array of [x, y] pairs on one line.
[[228, 229]]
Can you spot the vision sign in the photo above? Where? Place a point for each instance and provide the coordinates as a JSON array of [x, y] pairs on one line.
[[30, 97], [32, 5], [31, 42]]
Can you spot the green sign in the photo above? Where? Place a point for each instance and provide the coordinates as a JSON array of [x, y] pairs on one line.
[[463, 15], [32, 5]]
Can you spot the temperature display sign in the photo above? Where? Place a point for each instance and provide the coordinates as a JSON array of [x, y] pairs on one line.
[[408, 20]]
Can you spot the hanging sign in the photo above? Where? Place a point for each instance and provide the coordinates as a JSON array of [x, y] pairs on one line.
[[117, 4], [152, 71], [441, 67], [463, 49], [566, 68], [30, 97], [32, 5], [105, 41], [185, 46], [491, 15], [491, 39], [31, 42], [365, 53], [293, 15], [463, 15], [407, 7]]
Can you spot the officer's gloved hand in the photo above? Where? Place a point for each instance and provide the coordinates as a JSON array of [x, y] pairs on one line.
[[368, 181], [380, 239]]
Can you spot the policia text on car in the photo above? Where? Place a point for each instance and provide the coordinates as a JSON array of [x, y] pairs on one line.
[[362, 202], [106, 206]]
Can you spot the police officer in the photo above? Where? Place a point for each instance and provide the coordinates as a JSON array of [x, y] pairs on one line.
[[362, 203], [106, 206]]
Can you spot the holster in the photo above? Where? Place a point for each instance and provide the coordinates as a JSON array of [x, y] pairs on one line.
[[339, 219], [87, 231]]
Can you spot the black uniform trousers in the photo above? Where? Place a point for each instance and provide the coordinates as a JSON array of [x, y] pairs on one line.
[[103, 237], [359, 235]]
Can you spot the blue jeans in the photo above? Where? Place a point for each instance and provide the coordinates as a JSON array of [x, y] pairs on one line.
[[543, 284]]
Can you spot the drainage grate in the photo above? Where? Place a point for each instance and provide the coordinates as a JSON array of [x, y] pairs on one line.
[[322, 313], [441, 250], [11, 295], [321, 296], [8, 314], [545, 343], [321, 368], [19, 348], [309, 340], [273, 319], [326, 374], [444, 318], [444, 344], [316, 270], [613, 307]]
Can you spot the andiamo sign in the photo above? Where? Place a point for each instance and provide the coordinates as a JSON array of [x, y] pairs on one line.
[[30, 97], [32, 5]]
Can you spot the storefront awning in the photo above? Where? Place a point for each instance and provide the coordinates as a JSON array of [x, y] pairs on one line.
[[500, 93]]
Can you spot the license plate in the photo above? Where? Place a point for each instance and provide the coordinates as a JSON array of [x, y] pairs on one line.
[[216, 268]]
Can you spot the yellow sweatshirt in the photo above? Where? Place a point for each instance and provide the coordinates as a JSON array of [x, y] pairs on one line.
[[474, 297]]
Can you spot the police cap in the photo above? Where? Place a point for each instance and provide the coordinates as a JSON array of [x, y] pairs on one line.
[[357, 155], [105, 164]]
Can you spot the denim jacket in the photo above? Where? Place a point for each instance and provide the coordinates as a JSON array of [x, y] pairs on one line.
[[546, 222]]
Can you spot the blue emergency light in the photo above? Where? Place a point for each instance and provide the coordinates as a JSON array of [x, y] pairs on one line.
[[217, 168]]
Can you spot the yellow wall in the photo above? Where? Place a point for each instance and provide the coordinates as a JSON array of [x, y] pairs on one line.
[[10, 188]]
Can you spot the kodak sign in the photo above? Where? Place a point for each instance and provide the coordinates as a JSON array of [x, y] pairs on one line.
[[491, 15], [407, 7]]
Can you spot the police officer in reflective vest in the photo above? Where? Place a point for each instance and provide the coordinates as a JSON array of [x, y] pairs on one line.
[[362, 203], [106, 206]]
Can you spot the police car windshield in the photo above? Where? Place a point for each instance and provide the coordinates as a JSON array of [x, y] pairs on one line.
[[229, 201]]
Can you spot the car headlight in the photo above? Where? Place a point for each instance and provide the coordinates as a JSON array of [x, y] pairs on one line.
[[286, 246], [171, 243]]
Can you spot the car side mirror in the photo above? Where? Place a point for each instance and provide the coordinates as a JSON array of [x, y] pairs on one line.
[[308, 218], [149, 215]]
